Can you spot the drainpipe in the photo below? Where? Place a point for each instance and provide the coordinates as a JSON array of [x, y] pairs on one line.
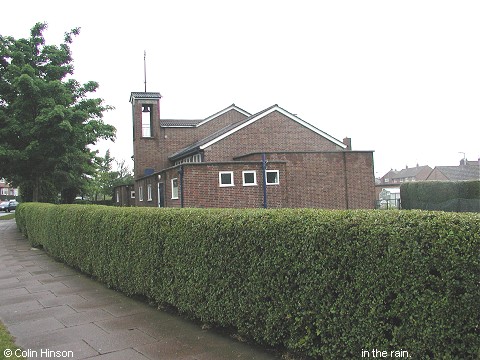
[[180, 172], [264, 171]]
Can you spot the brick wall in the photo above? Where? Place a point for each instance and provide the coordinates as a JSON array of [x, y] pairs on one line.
[[273, 132], [145, 150], [153, 152], [202, 188], [330, 180], [122, 195], [360, 179]]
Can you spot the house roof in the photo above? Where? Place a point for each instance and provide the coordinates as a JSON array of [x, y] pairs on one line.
[[179, 123], [462, 172], [408, 172], [221, 112], [197, 123], [231, 129], [144, 95]]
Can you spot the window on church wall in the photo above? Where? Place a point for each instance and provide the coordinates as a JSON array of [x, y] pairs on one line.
[[146, 121], [175, 188], [149, 192], [272, 177], [191, 159]]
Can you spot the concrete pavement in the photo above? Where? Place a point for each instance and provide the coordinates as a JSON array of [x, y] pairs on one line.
[[55, 312]]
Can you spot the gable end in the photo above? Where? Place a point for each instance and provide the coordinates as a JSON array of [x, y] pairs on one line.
[[263, 114]]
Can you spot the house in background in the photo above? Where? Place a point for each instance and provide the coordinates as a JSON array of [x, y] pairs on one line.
[[387, 188], [417, 173], [7, 192], [467, 170], [237, 159]]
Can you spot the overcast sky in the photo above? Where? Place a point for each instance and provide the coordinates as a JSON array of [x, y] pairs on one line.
[[401, 78]]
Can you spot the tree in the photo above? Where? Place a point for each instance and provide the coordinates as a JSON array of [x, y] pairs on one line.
[[105, 179], [47, 119]]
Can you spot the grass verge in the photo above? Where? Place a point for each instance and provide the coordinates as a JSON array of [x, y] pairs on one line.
[[7, 346], [7, 217]]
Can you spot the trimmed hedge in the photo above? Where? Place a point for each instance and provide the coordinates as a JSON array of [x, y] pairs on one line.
[[460, 196], [327, 284]]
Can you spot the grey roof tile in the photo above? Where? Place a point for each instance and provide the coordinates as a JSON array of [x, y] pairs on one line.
[[462, 172], [179, 123], [409, 172]]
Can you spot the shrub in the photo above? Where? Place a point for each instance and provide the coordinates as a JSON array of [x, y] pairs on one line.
[[326, 284], [460, 196]]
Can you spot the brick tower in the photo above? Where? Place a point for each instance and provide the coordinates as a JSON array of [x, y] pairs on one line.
[[146, 131]]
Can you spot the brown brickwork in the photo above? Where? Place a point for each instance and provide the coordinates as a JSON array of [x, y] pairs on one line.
[[314, 170], [330, 180], [273, 132]]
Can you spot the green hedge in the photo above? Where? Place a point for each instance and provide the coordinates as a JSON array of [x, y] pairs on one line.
[[460, 196], [327, 284]]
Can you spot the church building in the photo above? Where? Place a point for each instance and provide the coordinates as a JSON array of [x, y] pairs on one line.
[[236, 159]]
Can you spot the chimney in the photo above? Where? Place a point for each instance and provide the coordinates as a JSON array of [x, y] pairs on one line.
[[462, 162], [348, 141]]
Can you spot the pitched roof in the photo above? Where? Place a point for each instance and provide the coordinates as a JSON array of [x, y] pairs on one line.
[[230, 129], [221, 112], [462, 172], [197, 123], [144, 95], [179, 123], [408, 172]]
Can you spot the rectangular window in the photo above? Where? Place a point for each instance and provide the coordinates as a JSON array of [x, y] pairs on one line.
[[140, 193], [132, 194], [175, 188], [225, 178], [273, 177], [146, 121], [249, 178], [149, 192], [197, 158], [118, 195]]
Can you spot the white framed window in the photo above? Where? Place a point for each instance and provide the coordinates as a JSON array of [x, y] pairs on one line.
[[273, 177], [197, 158], [149, 192], [225, 178], [118, 195], [140, 193], [191, 159], [249, 178], [132, 194], [175, 188]]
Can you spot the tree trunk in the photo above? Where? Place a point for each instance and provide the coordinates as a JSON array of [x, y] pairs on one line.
[[36, 190]]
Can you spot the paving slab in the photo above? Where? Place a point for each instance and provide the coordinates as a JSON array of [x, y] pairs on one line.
[[54, 311]]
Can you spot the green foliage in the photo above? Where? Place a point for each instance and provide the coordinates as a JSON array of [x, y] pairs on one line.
[[105, 179], [326, 284], [6, 342], [457, 196], [46, 120]]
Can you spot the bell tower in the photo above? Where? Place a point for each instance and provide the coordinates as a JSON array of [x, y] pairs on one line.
[[146, 131]]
